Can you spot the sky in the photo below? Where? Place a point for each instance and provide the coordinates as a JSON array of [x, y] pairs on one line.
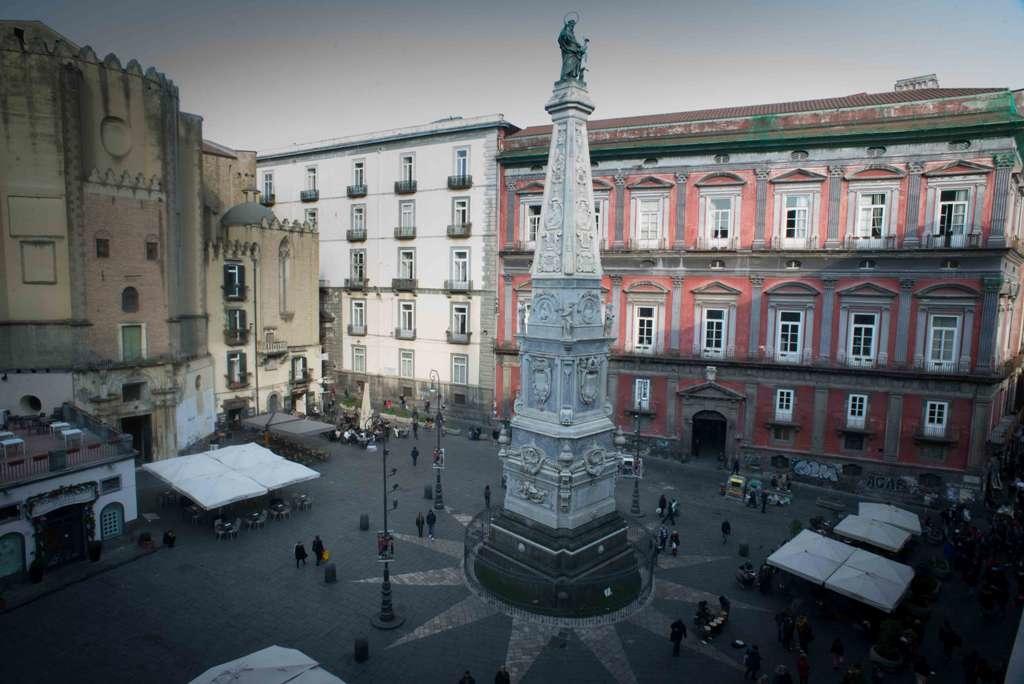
[[265, 75]]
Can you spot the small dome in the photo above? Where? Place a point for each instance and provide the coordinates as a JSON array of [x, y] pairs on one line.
[[246, 214]]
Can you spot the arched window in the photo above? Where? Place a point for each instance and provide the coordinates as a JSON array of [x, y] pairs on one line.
[[284, 275], [12, 554], [111, 521], [129, 300]]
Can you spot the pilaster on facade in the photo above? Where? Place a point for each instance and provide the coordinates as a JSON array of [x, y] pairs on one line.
[[756, 289], [1004, 163], [911, 228], [828, 283], [760, 208], [835, 196], [680, 234], [620, 210]]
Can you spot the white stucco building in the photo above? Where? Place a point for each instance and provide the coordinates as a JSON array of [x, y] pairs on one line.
[[407, 224]]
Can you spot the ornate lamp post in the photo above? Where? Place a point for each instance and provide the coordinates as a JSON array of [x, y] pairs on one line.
[[387, 619], [634, 508], [435, 390]]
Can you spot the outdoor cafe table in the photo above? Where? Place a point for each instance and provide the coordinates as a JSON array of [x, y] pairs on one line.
[[15, 443], [59, 427], [71, 434]]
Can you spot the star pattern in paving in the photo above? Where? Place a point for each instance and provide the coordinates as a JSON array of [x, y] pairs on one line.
[[529, 638]]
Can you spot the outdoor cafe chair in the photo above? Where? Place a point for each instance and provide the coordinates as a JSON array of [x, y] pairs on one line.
[[262, 519], [236, 528], [218, 529]]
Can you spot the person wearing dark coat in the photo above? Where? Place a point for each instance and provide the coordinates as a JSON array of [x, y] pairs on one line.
[[677, 634], [431, 521], [466, 677], [318, 549], [662, 505], [487, 495], [415, 454], [788, 627], [169, 539], [726, 531], [420, 522], [752, 661], [300, 554], [838, 652], [503, 676]]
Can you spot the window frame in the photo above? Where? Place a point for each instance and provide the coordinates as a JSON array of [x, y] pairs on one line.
[[131, 301], [403, 205], [359, 171], [794, 356], [357, 217], [357, 311], [353, 261], [723, 332], [142, 341], [705, 235], [152, 249], [361, 349], [660, 214], [456, 211], [312, 178], [268, 184], [930, 362], [465, 161], [407, 309], [102, 247], [851, 339], [934, 410], [856, 410], [940, 205], [234, 289], [457, 360], [315, 214], [405, 355], [410, 167], [529, 218], [453, 265], [652, 346], [407, 262], [784, 404], [642, 394], [460, 310], [236, 367]]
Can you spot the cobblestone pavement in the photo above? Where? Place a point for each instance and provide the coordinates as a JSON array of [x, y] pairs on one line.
[[171, 615]]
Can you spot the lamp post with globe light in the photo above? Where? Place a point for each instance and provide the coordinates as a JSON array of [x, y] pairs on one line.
[[435, 391]]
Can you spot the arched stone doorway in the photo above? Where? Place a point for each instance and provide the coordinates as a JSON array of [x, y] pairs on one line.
[[708, 435]]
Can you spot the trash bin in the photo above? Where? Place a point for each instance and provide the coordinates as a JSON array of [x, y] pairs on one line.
[[362, 651], [744, 549], [330, 574], [364, 522], [428, 492]]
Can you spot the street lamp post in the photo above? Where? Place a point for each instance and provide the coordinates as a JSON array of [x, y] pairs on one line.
[[435, 388], [387, 619], [634, 508]]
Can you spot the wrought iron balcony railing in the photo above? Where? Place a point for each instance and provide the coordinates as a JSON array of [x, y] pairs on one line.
[[457, 337], [460, 182], [405, 187], [237, 381], [309, 195], [268, 200], [709, 243], [234, 337], [405, 232], [355, 234], [272, 348], [865, 242], [356, 330], [405, 334], [458, 285], [403, 284], [356, 191], [356, 284], [460, 230], [951, 241]]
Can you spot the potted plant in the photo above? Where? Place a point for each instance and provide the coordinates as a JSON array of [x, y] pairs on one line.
[[36, 568], [95, 550], [887, 651]]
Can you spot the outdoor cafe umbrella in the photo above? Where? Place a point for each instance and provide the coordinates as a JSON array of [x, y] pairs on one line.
[[874, 532], [365, 411], [811, 556], [272, 665], [888, 513]]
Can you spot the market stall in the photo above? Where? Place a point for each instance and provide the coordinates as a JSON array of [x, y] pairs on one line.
[[874, 532], [811, 556], [872, 579], [892, 515]]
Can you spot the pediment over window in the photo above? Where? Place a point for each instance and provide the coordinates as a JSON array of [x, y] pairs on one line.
[[876, 172], [720, 178], [793, 288], [650, 183], [602, 185], [947, 291], [715, 288], [799, 176], [531, 188], [712, 391], [867, 290], [959, 167], [647, 287]]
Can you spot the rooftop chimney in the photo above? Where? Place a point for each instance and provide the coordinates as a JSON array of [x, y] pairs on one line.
[[917, 83]]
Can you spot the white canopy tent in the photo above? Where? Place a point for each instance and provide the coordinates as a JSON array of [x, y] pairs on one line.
[[888, 513], [302, 427], [268, 420], [365, 410], [874, 532], [264, 466], [872, 579], [811, 556], [272, 665]]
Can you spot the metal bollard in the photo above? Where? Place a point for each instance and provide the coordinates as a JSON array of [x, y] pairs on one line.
[[362, 651], [330, 574], [364, 522]]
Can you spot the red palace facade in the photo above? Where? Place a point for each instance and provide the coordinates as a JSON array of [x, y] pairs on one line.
[[827, 286]]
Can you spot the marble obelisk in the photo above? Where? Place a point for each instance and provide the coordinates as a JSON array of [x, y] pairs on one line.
[[560, 519]]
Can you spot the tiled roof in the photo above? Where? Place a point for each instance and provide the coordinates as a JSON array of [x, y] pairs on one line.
[[830, 103]]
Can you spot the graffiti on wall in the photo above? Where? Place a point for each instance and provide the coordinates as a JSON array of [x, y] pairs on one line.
[[892, 484], [815, 470]]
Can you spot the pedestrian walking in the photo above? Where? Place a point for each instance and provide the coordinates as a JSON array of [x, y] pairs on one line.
[[670, 515], [169, 539], [736, 466], [300, 554], [420, 522], [431, 521], [503, 676], [487, 495], [662, 538], [318, 549], [726, 531], [804, 633], [415, 427], [764, 501], [780, 618], [415, 453], [788, 627], [782, 675], [752, 661], [803, 668], [677, 634], [466, 677], [673, 540], [949, 638], [662, 504], [838, 652]]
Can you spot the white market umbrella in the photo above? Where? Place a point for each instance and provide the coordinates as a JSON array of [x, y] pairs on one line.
[[821, 546], [220, 490], [365, 411], [888, 513], [811, 556], [272, 665], [279, 474], [874, 532], [866, 587], [238, 456], [899, 573], [180, 468]]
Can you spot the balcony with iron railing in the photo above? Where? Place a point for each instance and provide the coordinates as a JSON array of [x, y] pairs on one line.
[[951, 241], [356, 330], [272, 347], [355, 234], [405, 187], [268, 200], [460, 230], [641, 408], [405, 232], [235, 293], [300, 377], [403, 284], [713, 244], [935, 434], [405, 333], [942, 367], [356, 191], [858, 362], [234, 337], [782, 242], [458, 285], [460, 182], [457, 337], [237, 381], [309, 195], [358, 284], [858, 242]]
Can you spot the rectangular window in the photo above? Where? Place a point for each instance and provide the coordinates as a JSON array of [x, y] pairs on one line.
[[642, 394], [643, 328], [460, 319], [110, 484], [311, 215], [943, 341], [359, 217], [650, 219], [781, 433], [798, 210], [784, 405], [720, 218], [358, 359], [152, 251], [358, 172], [407, 214], [861, 351], [268, 184], [234, 281], [406, 368], [407, 317], [714, 333], [462, 161], [358, 266], [460, 369], [599, 217], [788, 342], [407, 263], [359, 313], [853, 441], [132, 391], [311, 178], [298, 368], [532, 222], [952, 212], [236, 320], [131, 343], [527, 306], [460, 266], [236, 368], [102, 248], [935, 417], [408, 167], [871, 215], [460, 211], [856, 411]]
